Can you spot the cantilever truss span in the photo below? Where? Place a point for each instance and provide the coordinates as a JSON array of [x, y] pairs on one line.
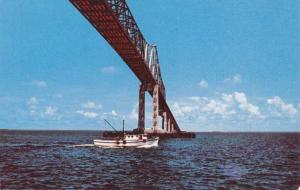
[[114, 21]]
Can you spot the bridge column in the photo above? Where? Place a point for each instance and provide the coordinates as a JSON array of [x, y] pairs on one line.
[[155, 108], [141, 121], [169, 125], [165, 123], [162, 122]]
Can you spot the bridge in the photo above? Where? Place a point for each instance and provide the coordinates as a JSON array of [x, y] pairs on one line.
[[115, 22]]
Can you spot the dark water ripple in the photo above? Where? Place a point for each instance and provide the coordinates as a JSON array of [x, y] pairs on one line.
[[48, 160]]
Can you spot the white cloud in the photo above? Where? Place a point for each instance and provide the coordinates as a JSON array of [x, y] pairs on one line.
[[50, 111], [39, 83], [227, 107], [134, 112], [228, 98], [114, 113], [281, 107], [241, 98], [200, 107], [177, 110], [36, 110], [235, 79], [194, 98], [230, 111], [182, 109], [203, 84], [217, 107], [32, 103], [108, 69], [87, 114], [91, 105]]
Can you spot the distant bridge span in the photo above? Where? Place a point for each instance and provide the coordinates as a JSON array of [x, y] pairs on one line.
[[114, 21]]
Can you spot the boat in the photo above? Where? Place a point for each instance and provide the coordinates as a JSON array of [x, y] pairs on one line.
[[138, 140], [127, 140]]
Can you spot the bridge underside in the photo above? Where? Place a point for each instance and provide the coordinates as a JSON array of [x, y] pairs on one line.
[[114, 21]]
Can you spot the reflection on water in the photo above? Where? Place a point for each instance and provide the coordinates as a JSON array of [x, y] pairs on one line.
[[53, 160]]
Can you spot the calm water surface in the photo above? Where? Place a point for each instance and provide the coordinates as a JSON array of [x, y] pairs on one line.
[[49, 160]]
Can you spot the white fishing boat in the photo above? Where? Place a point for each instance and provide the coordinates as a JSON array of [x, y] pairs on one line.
[[137, 140], [127, 140]]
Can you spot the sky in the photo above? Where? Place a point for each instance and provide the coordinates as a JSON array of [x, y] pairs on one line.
[[226, 65]]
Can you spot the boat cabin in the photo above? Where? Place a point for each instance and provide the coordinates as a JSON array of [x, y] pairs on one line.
[[136, 137]]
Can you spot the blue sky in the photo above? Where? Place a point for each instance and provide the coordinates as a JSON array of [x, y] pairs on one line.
[[226, 65]]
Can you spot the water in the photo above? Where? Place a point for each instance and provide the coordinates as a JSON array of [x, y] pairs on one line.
[[49, 160]]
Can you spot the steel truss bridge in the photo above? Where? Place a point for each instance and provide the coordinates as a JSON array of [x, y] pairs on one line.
[[115, 22]]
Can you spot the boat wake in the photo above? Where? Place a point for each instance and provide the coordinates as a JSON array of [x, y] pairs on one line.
[[82, 145], [69, 146], [93, 145], [90, 145]]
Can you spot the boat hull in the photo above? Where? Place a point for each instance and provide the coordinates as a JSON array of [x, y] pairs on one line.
[[126, 143]]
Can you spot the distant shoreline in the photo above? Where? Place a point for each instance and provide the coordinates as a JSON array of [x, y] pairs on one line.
[[87, 130]]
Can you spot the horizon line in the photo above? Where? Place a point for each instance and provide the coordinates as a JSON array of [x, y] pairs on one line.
[[130, 130]]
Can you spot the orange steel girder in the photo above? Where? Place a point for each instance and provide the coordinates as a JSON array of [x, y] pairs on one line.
[[114, 21]]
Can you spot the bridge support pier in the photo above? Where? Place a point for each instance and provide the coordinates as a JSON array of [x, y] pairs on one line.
[[165, 121], [169, 125], [162, 123], [155, 109], [141, 119]]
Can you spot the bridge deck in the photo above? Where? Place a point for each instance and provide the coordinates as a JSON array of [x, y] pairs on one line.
[[102, 18], [100, 14]]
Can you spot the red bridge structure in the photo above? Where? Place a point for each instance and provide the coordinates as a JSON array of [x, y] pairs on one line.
[[115, 22]]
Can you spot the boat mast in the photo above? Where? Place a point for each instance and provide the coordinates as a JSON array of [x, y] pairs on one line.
[[123, 130], [110, 125]]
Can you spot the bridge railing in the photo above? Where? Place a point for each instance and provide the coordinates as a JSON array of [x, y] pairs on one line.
[[122, 12], [151, 60], [149, 52]]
